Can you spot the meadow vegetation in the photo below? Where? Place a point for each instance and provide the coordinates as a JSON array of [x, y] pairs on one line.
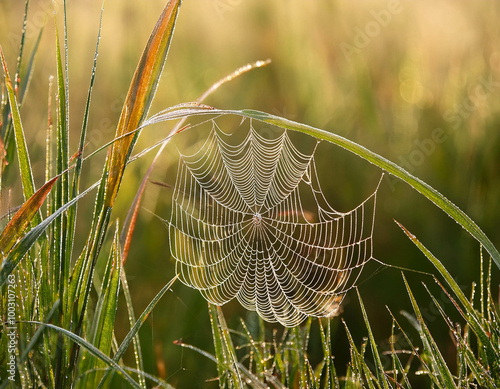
[[89, 295]]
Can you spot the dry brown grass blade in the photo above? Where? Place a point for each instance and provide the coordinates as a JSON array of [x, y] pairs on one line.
[[21, 220]]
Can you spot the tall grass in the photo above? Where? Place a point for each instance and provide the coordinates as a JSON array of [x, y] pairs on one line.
[[59, 302]]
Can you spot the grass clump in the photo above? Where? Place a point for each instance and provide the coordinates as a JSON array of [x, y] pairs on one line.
[[62, 319]]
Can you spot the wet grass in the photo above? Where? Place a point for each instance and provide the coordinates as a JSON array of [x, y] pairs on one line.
[[66, 295]]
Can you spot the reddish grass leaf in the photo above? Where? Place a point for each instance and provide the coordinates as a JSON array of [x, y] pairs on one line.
[[21, 220], [140, 96]]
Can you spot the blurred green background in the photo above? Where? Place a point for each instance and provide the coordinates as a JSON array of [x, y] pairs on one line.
[[416, 82]]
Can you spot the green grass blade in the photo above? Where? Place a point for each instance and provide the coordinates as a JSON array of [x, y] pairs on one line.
[[75, 189], [132, 319], [26, 77], [408, 341], [255, 383], [230, 351], [228, 377], [82, 267], [93, 350], [256, 350], [49, 149], [105, 312], [85, 281], [331, 378], [6, 146], [378, 363], [432, 194], [354, 376], [299, 349], [61, 257], [437, 198], [84, 261], [325, 344], [480, 373], [397, 365], [39, 332], [137, 326], [438, 363], [21, 46], [22, 149], [470, 313], [62, 156], [137, 103], [493, 312], [22, 247]]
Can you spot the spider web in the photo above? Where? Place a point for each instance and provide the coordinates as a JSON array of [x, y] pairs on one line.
[[238, 229]]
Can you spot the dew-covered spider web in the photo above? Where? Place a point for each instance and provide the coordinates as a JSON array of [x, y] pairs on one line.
[[239, 228]]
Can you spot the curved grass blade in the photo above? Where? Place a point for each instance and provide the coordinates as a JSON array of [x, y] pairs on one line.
[[378, 363], [425, 189], [257, 352], [432, 194], [397, 365], [21, 220], [135, 109], [438, 364], [136, 106], [22, 247], [255, 383], [300, 353], [137, 326], [331, 378], [143, 375], [93, 350], [39, 332], [140, 95]]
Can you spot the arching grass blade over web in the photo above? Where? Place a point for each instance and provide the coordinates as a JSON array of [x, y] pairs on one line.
[[425, 189]]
